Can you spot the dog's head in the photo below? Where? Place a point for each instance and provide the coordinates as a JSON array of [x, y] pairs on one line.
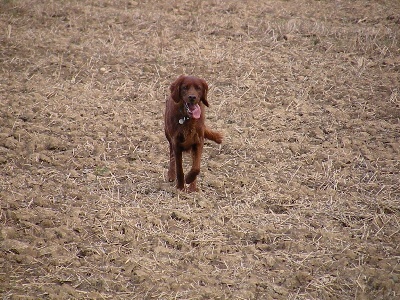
[[191, 91]]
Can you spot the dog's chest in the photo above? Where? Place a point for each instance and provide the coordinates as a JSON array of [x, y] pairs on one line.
[[189, 137]]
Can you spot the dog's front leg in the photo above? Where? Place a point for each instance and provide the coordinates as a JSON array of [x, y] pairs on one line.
[[195, 170], [180, 184]]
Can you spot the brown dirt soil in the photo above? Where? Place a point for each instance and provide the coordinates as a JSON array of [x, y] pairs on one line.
[[301, 201]]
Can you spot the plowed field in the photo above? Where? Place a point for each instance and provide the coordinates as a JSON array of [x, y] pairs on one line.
[[300, 201]]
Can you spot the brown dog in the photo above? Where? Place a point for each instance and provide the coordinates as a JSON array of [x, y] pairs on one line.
[[185, 129]]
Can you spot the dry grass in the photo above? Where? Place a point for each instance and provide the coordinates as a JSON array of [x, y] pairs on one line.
[[301, 201]]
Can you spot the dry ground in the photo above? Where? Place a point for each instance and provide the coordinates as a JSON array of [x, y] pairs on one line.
[[301, 201]]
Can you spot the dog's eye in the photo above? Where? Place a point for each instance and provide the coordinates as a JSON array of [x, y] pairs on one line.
[[197, 88], [184, 87]]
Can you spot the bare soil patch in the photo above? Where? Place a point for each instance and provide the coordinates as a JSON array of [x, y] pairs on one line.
[[301, 201]]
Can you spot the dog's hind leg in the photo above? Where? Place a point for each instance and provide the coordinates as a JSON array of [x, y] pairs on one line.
[[172, 165]]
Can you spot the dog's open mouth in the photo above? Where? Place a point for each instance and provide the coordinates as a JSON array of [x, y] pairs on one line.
[[194, 110]]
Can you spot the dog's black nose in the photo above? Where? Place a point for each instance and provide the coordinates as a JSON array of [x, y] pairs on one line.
[[192, 98]]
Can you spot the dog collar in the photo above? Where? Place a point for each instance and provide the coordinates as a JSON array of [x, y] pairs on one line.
[[182, 120]]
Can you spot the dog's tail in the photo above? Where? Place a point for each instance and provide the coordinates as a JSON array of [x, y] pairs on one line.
[[213, 135]]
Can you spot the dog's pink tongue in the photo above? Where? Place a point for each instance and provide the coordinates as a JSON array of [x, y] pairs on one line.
[[196, 112]]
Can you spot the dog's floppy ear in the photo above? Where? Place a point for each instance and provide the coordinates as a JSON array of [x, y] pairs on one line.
[[205, 91], [175, 88]]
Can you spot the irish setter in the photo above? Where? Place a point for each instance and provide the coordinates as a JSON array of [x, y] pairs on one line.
[[185, 129]]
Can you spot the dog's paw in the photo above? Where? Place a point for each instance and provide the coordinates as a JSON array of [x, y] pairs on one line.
[[171, 176], [192, 187], [191, 176]]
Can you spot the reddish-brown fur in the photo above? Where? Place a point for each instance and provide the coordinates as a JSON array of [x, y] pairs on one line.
[[183, 131]]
